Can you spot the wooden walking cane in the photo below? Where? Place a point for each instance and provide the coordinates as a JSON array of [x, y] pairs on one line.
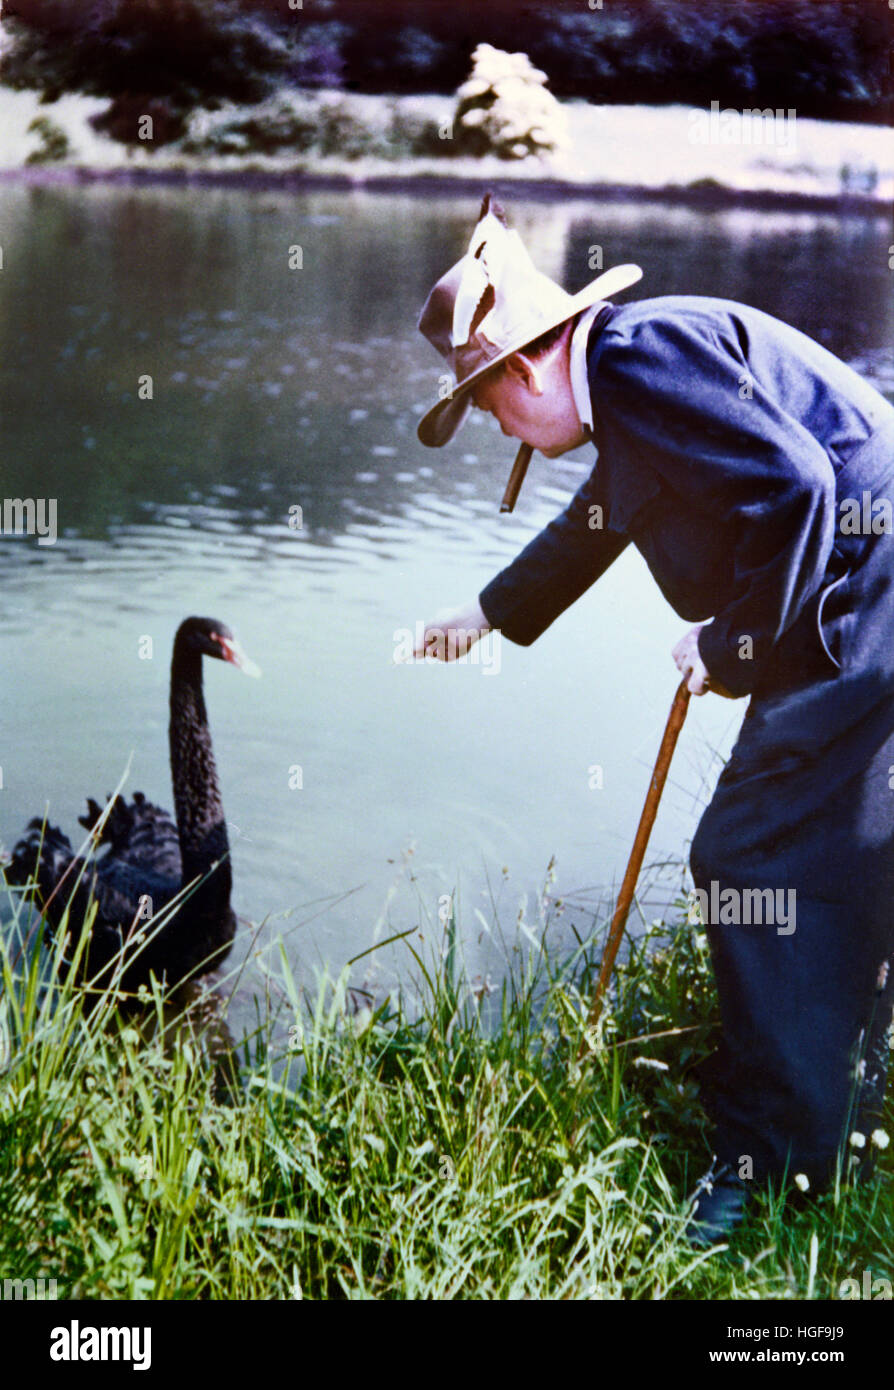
[[637, 854]]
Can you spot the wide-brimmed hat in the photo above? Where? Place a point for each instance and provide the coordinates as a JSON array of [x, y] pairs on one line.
[[489, 305]]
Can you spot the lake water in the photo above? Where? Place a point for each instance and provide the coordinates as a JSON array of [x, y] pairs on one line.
[[275, 388]]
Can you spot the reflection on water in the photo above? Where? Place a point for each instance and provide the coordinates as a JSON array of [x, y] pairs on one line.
[[271, 389]]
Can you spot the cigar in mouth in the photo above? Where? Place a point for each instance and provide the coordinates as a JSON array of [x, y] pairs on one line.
[[516, 477]]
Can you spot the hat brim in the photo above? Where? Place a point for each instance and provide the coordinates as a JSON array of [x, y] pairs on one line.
[[438, 426]]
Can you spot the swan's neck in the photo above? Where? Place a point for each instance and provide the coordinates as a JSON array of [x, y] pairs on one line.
[[200, 818]]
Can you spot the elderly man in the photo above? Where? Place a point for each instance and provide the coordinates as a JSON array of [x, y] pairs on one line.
[[753, 471]]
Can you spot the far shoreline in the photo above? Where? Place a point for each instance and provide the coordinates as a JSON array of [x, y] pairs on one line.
[[703, 194]]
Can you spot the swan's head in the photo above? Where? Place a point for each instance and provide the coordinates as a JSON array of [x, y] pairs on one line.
[[209, 637]]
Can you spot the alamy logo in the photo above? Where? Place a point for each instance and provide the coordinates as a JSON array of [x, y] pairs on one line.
[[724, 907], [746, 127], [76, 1343], [29, 1288], [474, 646], [871, 1288], [30, 516], [866, 516]]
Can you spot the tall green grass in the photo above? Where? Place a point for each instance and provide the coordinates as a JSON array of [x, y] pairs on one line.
[[441, 1143]]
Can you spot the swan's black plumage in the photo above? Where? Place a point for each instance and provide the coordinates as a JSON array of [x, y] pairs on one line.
[[146, 854]]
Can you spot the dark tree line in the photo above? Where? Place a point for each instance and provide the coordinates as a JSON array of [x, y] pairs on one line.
[[824, 57]]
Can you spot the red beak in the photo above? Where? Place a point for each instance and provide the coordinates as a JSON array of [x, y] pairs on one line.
[[235, 653]]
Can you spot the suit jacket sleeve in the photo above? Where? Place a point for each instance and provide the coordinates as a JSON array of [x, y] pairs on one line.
[[677, 396], [554, 569]]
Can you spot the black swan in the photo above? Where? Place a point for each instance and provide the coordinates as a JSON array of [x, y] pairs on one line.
[[149, 859]]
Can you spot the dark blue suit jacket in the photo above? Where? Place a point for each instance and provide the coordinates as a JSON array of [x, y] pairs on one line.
[[720, 433]]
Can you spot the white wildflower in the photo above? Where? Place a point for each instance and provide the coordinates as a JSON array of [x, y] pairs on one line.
[[879, 1138], [802, 1182], [857, 1140]]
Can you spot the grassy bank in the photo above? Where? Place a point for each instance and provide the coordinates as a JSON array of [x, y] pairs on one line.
[[443, 1145], [374, 140]]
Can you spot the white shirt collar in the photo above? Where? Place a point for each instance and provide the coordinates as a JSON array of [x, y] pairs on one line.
[[580, 384]]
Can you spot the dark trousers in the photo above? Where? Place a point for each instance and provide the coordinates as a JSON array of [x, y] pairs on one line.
[[806, 803]]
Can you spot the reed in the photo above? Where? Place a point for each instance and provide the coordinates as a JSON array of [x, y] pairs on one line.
[[440, 1142]]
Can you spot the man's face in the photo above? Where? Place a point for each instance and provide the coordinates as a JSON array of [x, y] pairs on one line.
[[533, 401]]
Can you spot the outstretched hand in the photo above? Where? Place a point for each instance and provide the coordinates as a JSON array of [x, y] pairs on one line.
[[451, 635], [694, 671]]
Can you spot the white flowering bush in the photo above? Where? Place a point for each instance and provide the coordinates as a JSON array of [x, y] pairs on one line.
[[505, 109]]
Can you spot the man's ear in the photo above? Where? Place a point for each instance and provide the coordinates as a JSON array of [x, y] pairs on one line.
[[525, 372]]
